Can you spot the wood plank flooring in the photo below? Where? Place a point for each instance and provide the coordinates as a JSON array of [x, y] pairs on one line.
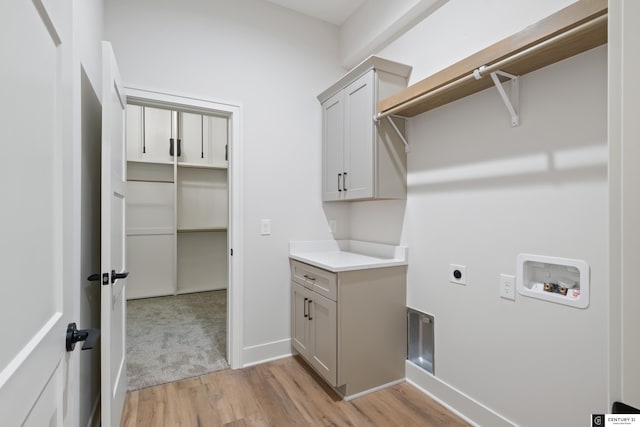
[[281, 393]]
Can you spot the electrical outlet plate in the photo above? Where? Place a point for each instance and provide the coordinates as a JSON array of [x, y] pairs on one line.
[[458, 274], [508, 287]]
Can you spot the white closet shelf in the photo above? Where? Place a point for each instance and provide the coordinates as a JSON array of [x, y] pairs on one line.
[[148, 162], [200, 229], [575, 29], [215, 165]]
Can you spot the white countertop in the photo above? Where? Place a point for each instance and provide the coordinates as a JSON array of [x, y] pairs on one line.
[[347, 255]]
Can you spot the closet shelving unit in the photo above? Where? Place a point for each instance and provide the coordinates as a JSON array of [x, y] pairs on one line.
[[178, 204], [577, 28]]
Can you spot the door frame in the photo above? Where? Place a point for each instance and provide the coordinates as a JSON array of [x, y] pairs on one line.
[[624, 202], [235, 182]]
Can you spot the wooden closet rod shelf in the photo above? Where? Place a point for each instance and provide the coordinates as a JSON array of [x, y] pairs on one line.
[[575, 29]]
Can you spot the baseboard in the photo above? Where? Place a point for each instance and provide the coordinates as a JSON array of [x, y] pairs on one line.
[[266, 352], [454, 400]]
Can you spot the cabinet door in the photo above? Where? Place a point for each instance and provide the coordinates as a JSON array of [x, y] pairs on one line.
[[203, 139], [193, 149], [300, 327], [159, 126], [359, 154], [323, 337], [332, 147], [135, 132], [216, 137]]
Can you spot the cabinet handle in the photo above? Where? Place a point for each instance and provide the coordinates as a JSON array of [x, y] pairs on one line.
[[305, 308], [178, 151], [339, 176], [144, 124], [306, 276], [309, 310], [344, 182]]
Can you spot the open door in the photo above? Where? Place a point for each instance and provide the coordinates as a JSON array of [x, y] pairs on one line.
[[37, 376], [113, 250]]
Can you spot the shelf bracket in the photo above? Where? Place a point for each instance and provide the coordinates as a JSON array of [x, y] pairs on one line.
[[407, 147], [512, 101]]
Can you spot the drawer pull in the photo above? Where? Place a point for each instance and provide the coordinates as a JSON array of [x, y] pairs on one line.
[[306, 314], [324, 289], [306, 276]]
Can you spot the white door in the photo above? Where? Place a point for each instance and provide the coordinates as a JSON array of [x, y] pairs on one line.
[[113, 246], [37, 381]]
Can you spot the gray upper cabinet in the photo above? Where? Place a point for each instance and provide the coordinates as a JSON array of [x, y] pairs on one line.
[[363, 159]]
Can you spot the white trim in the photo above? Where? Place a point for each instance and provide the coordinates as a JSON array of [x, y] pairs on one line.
[[236, 192], [454, 400], [268, 352]]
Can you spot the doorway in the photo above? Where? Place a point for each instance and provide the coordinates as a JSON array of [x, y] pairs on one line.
[[188, 192]]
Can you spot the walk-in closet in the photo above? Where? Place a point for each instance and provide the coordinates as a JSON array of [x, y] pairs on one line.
[[177, 245]]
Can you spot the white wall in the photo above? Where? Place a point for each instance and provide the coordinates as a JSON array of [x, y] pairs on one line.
[[377, 23], [480, 192], [274, 62]]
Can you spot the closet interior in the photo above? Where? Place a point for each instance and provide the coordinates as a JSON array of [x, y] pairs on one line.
[[177, 209]]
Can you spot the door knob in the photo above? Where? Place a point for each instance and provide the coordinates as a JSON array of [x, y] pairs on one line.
[[95, 277], [115, 276], [74, 335]]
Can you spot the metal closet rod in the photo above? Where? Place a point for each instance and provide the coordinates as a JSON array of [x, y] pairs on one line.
[[491, 68]]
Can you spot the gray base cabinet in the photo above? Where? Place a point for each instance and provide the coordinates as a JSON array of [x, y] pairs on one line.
[[350, 326]]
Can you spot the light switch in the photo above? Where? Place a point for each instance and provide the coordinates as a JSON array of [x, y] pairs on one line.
[[265, 227]]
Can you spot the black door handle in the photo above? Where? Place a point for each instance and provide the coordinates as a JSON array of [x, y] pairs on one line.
[[95, 277], [171, 147], [339, 176], [74, 335], [115, 276], [305, 308], [344, 181]]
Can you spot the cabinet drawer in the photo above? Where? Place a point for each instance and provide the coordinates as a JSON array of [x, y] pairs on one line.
[[321, 281]]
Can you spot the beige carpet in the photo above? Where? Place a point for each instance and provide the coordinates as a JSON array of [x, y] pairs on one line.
[[175, 337]]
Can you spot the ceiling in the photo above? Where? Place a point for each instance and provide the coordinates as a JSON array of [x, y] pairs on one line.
[[332, 11]]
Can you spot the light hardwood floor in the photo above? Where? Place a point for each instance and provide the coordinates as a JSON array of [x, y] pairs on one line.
[[281, 393]]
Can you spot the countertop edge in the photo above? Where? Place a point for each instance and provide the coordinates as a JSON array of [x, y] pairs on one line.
[[382, 264]]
